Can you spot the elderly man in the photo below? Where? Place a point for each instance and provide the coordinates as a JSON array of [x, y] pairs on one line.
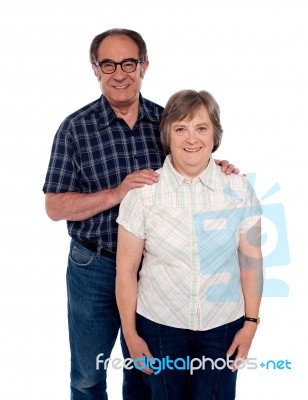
[[99, 153]]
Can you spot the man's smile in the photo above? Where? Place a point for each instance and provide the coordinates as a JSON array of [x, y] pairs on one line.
[[120, 86]]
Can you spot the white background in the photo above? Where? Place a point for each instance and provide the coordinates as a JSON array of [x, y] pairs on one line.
[[252, 56]]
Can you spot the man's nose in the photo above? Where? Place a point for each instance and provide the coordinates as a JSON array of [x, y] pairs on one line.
[[119, 74]]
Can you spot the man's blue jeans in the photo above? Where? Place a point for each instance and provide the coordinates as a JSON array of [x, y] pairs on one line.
[[94, 323], [173, 343]]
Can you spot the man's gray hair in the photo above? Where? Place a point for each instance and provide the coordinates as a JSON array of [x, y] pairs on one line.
[[135, 36]]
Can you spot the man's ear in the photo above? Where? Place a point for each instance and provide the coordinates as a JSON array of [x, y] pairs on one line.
[[96, 73], [143, 69]]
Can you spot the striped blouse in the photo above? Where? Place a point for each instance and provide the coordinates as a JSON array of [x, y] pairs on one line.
[[190, 276]]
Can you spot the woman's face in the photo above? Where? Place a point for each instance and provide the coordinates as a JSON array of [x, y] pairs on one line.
[[191, 144]]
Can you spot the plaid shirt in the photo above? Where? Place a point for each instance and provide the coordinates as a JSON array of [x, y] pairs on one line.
[[95, 150], [190, 276]]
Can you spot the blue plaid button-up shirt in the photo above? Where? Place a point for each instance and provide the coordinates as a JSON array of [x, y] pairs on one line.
[[92, 150]]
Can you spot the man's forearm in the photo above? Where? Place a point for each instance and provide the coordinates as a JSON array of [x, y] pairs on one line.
[[79, 206], [73, 206]]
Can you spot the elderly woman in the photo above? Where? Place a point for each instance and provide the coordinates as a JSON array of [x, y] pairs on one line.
[[190, 319]]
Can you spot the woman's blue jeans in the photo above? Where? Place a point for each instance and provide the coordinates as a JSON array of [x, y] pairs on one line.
[[208, 382], [94, 323]]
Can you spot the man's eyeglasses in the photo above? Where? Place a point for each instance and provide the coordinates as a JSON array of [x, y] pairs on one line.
[[108, 67]]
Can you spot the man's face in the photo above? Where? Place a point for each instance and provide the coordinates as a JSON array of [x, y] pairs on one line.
[[120, 88]]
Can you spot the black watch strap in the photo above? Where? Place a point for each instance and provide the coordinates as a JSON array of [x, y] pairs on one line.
[[255, 320]]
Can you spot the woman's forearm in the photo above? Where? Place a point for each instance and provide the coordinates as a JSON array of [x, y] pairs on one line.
[[252, 283], [251, 264], [126, 292], [129, 254]]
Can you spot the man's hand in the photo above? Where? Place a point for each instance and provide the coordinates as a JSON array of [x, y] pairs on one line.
[[226, 167], [74, 206], [135, 180]]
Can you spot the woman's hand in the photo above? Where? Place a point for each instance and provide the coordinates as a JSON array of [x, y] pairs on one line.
[[241, 345], [138, 348]]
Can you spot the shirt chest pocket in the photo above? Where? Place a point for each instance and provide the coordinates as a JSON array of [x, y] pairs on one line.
[[168, 228]]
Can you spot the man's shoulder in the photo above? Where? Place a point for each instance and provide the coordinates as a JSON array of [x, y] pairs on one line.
[[86, 111], [151, 103], [154, 109], [84, 116]]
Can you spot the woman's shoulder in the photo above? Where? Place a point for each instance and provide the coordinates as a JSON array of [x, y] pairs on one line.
[[237, 184], [145, 193]]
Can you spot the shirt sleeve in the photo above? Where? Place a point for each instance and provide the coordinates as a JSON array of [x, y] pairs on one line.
[[131, 214], [252, 209], [62, 174]]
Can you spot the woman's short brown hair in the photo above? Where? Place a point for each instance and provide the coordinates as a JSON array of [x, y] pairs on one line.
[[184, 105]]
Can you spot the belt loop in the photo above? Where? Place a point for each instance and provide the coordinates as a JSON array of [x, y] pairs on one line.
[[98, 251]]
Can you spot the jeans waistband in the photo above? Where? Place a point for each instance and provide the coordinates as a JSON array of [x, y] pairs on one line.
[[95, 249]]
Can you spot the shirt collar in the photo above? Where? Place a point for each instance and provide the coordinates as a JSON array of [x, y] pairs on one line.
[[208, 177], [107, 115], [146, 110]]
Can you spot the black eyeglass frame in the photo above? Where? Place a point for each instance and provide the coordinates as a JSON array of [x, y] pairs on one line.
[[133, 60]]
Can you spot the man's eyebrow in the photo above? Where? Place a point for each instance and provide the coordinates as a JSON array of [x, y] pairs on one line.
[[124, 59], [107, 59]]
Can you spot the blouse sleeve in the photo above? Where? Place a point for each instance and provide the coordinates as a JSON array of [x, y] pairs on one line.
[[252, 209], [131, 214]]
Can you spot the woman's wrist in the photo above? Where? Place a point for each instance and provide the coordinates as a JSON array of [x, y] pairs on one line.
[[130, 334], [249, 328], [255, 320]]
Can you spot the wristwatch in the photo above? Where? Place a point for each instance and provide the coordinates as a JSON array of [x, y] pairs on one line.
[[255, 320]]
